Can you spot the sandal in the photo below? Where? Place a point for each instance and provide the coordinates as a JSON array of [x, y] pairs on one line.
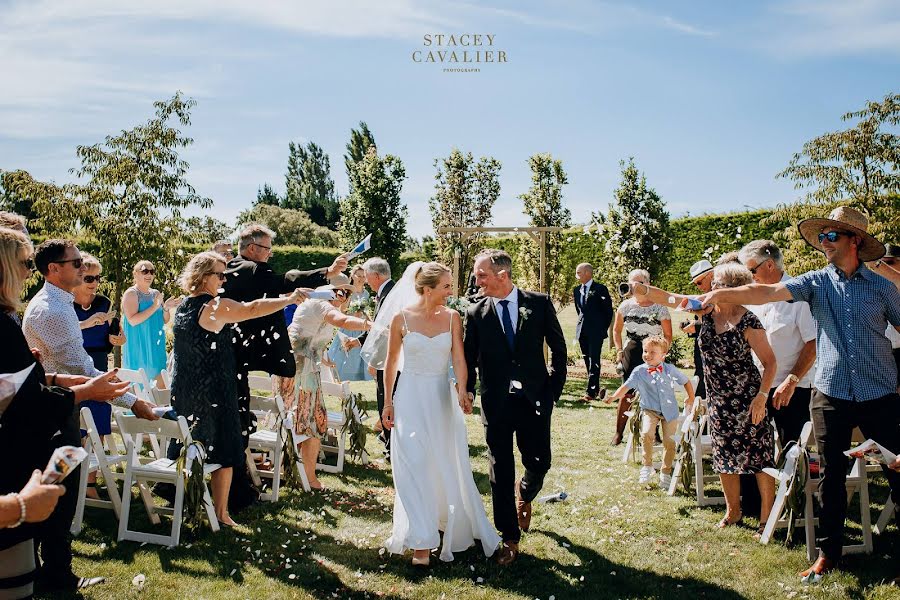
[[726, 523], [759, 531]]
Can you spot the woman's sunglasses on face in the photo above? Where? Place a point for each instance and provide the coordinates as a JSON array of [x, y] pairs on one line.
[[92, 278], [146, 271], [219, 274], [28, 263]]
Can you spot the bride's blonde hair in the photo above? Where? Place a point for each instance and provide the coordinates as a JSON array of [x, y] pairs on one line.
[[429, 275]]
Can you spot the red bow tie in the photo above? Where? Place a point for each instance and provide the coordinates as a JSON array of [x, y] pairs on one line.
[[657, 369]]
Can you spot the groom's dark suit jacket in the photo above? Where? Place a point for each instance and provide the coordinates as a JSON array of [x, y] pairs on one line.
[[487, 351]]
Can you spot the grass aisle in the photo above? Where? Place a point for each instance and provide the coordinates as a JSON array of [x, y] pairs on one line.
[[610, 539]]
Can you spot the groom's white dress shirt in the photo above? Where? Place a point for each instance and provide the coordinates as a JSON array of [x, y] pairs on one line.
[[513, 308]]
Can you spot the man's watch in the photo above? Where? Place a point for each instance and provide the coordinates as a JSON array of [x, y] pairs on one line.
[[793, 378]]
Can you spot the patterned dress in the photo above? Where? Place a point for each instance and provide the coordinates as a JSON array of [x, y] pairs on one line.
[[732, 381], [204, 384], [640, 322], [310, 335]]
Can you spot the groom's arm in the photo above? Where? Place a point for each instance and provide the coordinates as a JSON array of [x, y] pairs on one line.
[[556, 341], [470, 346]]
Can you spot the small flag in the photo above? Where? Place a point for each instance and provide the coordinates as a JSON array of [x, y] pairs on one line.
[[360, 247]]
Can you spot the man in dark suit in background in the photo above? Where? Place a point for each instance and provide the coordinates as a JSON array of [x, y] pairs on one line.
[[262, 344], [378, 277], [595, 313]]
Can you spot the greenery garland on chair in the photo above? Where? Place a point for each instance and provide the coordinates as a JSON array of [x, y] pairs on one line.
[[194, 483], [289, 456], [355, 428], [685, 455], [635, 425]]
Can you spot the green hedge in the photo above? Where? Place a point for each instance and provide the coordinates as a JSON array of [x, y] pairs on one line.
[[706, 236]]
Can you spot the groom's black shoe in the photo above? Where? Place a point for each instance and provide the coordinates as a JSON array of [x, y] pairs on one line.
[[522, 508]]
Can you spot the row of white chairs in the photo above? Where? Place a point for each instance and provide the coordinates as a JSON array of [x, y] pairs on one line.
[[696, 430], [274, 426]]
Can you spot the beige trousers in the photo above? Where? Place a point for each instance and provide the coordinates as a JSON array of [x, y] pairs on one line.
[[649, 420]]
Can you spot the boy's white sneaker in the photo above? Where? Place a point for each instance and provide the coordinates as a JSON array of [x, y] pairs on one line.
[[646, 474], [665, 480]]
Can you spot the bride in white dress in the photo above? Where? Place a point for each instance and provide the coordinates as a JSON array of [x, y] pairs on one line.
[[435, 490]]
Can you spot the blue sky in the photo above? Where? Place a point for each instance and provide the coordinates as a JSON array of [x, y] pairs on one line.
[[711, 98]]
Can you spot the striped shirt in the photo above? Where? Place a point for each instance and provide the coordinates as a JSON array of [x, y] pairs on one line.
[[854, 358]]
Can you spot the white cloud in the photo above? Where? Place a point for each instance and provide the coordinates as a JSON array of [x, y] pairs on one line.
[[809, 28]]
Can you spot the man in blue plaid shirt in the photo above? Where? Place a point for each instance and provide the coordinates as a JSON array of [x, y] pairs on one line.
[[856, 376]]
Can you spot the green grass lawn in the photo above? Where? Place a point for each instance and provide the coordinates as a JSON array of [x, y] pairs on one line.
[[610, 539]]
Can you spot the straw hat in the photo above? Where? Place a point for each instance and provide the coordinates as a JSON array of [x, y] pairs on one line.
[[338, 282], [699, 269], [843, 218]]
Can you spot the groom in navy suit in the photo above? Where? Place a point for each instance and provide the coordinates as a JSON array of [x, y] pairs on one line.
[[504, 342], [595, 313]]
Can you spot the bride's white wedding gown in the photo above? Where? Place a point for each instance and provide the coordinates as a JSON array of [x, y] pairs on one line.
[[433, 480]]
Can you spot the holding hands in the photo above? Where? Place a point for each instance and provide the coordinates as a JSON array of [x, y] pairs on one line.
[[466, 400]]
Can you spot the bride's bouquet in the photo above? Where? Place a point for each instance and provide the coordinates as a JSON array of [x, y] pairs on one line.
[[459, 304], [362, 305]]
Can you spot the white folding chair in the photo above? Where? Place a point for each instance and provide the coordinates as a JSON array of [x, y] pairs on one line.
[[783, 477], [336, 420], [687, 430], [160, 470], [274, 425], [702, 452], [98, 460], [144, 390]]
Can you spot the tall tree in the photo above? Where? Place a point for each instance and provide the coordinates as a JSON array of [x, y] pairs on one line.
[[131, 190], [266, 195], [309, 184], [636, 230], [543, 203], [859, 166], [206, 230], [464, 196], [374, 206], [360, 141]]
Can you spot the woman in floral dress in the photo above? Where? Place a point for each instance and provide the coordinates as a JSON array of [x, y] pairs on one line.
[[311, 331], [741, 436]]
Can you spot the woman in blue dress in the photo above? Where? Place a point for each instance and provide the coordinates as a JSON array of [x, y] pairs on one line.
[[349, 365], [145, 315], [100, 331]]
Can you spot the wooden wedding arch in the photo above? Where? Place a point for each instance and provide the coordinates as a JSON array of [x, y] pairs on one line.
[[538, 234]]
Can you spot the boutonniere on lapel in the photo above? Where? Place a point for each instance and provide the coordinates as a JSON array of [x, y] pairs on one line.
[[524, 313]]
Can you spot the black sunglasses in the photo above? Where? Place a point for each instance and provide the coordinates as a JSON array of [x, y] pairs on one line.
[[146, 271], [832, 236], [76, 262], [28, 263], [261, 246], [92, 278], [221, 276], [757, 267]]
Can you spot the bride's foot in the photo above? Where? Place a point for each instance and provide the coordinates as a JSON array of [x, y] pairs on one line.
[[315, 484], [421, 558]]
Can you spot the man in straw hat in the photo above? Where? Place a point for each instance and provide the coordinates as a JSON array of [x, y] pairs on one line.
[[856, 377]]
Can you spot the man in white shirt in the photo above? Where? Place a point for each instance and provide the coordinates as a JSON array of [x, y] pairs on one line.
[[791, 331], [51, 327]]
